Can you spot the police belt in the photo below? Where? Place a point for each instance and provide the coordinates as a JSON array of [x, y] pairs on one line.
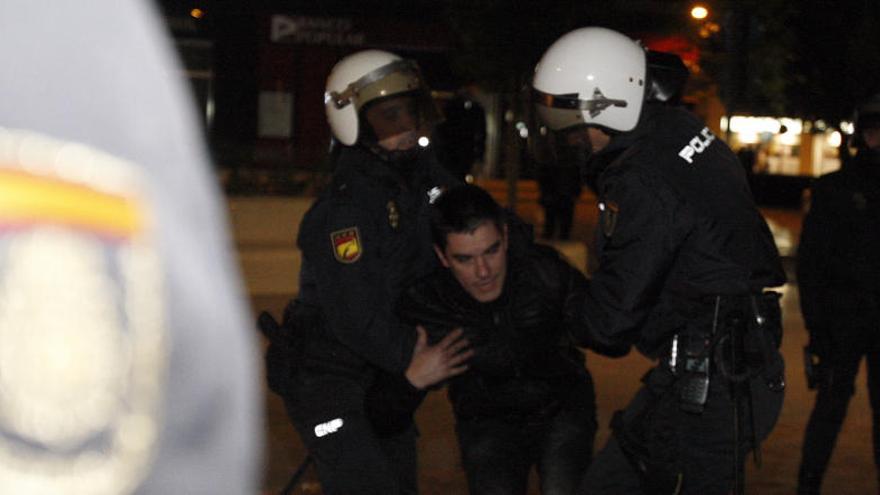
[[737, 341]]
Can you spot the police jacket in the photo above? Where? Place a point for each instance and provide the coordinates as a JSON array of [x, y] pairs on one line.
[[838, 262], [678, 225], [524, 357], [362, 242]]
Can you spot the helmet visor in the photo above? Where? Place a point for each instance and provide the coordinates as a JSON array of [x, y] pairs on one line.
[[397, 123]]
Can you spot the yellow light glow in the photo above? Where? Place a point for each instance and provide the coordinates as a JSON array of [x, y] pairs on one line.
[[757, 125], [699, 12], [793, 130], [760, 125], [788, 139], [834, 139], [197, 13], [748, 137]]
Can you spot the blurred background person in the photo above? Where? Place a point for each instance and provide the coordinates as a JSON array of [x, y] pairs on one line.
[[559, 183], [838, 272], [461, 135], [747, 157]]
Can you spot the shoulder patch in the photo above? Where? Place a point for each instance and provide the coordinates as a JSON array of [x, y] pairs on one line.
[[82, 320], [346, 245]]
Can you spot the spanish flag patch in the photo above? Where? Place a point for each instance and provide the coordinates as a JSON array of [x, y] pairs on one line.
[[83, 319], [29, 200], [346, 245]]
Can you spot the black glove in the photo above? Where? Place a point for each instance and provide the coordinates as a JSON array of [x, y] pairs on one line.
[[280, 355]]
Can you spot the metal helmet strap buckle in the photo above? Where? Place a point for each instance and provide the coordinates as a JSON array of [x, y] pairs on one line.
[[594, 106], [344, 98]]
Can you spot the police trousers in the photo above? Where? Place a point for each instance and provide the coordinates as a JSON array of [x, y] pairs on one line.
[[660, 448], [351, 457], [835, 389]]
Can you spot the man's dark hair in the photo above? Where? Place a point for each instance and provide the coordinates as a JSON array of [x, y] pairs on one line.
[[461, 210]]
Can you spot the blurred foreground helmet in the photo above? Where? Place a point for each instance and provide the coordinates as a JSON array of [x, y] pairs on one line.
[[365, 78], [127, 361], [591, 76]]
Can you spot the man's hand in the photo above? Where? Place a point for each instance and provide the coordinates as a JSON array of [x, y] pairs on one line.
[[432, 364]]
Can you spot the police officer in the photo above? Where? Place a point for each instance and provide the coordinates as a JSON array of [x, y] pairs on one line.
[[128, 363], [559, 182], [362, 242], [838, 275], [527, 399], [684, 257], [462, 134]]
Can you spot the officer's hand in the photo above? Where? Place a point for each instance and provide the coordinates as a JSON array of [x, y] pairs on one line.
[[433, 364]]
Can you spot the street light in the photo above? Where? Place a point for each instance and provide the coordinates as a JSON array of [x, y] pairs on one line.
[[707, 28], [699, 12]]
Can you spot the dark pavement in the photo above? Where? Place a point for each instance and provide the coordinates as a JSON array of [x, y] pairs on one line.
[[852, 468]]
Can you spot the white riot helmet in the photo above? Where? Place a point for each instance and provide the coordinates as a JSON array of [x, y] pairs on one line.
[[591, 76], [367, 76]]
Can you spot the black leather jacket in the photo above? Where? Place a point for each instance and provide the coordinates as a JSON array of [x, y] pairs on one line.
[[524, 359]]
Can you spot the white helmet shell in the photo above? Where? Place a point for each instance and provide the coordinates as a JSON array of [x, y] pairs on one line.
[[591, 76], [360, 78]]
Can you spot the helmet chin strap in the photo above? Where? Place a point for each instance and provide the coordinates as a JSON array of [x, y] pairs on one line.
[[369, 140], [393, 156]]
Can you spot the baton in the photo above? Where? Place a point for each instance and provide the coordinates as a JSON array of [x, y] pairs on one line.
[[294, 480]]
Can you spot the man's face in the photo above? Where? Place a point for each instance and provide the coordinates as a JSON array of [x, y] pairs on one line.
[[591, 138], [478, 260], [871, 136], [395, 122]]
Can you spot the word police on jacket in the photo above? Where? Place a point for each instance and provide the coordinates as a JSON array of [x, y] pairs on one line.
[[696, 145]]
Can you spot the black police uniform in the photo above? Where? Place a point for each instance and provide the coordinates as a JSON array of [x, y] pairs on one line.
[[684, 256], [839, 281], [527, 398], [362, 242]]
